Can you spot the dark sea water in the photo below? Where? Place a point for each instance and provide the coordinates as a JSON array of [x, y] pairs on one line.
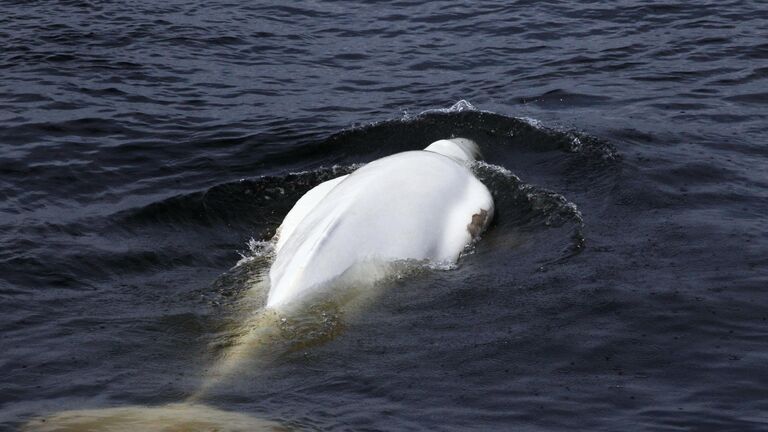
[[622, 286]]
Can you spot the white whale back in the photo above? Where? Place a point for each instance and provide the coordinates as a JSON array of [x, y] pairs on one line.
[[417, 205], [303, 206], [460, 149]]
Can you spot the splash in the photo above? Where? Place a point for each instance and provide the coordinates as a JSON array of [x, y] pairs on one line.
[[537, 124], [326, 173], [461, 106], [478, 167], [257, 249]]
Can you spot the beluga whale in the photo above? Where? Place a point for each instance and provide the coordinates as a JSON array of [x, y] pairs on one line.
[[423, 206]]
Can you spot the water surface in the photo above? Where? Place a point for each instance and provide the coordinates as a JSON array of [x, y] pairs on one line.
[[622, 285]]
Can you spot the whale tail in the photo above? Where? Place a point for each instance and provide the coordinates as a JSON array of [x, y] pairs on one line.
[[263, 337], [177, 417], [245, 343], [243, 346]]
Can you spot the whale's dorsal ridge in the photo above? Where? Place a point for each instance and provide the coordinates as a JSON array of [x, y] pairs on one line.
[[459, 149]]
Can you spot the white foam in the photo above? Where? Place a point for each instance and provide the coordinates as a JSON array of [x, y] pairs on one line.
[[256, 249], [461, 106], [532, 122], [494, 168], [334, 170]]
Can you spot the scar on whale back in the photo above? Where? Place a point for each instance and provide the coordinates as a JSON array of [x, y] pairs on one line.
[[479, 221]]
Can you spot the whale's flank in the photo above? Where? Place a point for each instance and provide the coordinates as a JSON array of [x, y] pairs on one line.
[[416, 205]]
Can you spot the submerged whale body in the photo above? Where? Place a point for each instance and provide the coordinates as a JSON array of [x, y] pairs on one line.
[[418, 205]]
